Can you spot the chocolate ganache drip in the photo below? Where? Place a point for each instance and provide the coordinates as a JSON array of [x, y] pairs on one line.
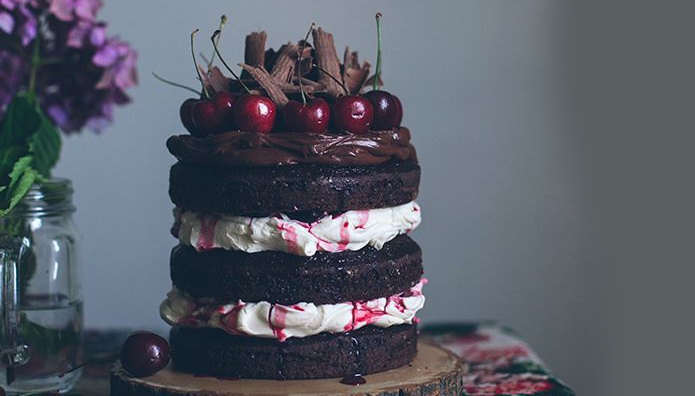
[[238, 148]]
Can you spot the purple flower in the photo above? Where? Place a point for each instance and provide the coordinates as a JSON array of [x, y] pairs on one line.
[[6, 22], [69, 10], [88, 73], [86, 33], [16, 17], [118, 61]]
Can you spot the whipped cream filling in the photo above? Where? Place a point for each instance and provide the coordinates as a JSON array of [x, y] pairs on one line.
[[263, 319], [351, 230]]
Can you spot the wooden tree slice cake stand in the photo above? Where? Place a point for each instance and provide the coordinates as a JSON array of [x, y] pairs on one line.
[[435, 371]]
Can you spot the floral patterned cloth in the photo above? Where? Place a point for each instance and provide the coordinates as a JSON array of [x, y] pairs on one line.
[[499, 363]]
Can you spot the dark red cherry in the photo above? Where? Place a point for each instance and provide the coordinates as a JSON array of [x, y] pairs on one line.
[[254, 113], [186, 115], [205, 118], [399, 113], [224, 107], [385, 109], [312, 117], [144, 353], [352, 113]]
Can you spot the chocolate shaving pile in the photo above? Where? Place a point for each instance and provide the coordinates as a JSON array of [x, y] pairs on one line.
[[317, 62]]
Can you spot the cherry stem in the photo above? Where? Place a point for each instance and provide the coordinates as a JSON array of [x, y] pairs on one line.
[[195, 63], [164, 80], [299, 62], [332, 78], [217, 51], [223, 21], [377, 72], [104, 359]]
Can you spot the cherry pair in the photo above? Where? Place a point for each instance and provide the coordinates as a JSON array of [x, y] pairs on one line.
[[376, 110], [226, 111]]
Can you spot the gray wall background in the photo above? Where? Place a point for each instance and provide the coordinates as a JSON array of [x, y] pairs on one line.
[[504, 234]]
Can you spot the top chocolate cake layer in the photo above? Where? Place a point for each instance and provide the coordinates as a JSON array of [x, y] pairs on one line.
[[263, 191]]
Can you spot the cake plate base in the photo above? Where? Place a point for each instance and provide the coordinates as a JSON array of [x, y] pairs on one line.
[[434, 371]]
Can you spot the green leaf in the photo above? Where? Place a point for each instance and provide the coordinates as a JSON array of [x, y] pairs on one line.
[[22, 119], [20, 180], [45, 145], [8, 157]]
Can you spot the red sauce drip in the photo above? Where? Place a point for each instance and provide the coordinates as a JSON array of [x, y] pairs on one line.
[[206, 238]]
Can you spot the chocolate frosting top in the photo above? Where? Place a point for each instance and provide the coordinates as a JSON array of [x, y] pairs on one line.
[[238, 148]]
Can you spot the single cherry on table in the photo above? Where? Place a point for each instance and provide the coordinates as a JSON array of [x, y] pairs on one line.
[[387, 109], [254, 113], [311, 117], [144, 353], [352, 113]]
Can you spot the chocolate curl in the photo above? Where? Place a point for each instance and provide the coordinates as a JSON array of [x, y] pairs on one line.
[[214, 80], [284, 63], [265, 80], [327, 59], [309, 86], [307, 58], [308, 82], [254, 54], [354, 75]]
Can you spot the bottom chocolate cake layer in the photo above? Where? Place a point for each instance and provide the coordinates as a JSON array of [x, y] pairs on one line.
[[213, 352]]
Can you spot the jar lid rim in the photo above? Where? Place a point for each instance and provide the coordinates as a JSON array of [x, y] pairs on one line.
[[48, 196]]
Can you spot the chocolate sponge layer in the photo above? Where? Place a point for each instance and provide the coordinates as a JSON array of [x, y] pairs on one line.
[[325, 278], [264, 191], [213, 352]]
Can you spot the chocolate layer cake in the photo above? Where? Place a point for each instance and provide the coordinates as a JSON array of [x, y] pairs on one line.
[[291, 215]]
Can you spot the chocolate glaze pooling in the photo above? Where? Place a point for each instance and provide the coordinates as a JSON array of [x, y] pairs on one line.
[[237, 148], [354, 380]]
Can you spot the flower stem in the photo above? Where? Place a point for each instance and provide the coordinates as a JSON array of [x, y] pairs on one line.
[[35, 61], [377, 73]]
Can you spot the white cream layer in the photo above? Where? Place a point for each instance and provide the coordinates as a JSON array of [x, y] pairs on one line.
[[263, 319], [351, 230]]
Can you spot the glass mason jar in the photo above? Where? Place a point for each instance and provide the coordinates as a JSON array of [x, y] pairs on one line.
[[40, 293]]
